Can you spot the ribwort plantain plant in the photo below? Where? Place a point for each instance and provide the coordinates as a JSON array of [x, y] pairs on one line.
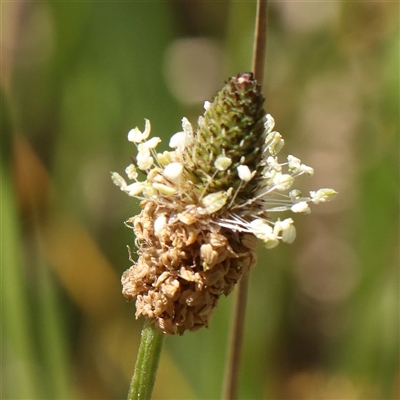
[[204, 205]]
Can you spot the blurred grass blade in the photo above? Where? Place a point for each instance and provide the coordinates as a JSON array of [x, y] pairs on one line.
[[19, 369]]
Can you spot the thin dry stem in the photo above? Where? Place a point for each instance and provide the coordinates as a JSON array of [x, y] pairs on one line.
[[260, 41], [239, 312], [235, 345]]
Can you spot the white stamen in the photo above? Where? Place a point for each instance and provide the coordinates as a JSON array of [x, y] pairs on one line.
[[164, 158], [147, 129], [153, 142], [131, 172], [261, 229], [307, 170], [135, 188], [301, 207], [173, 171], [269, 123], [178, 140], [322, 195], [274, 143], [215, 201], [294, 163], [250, 214], [118, 180], [164, 189], [244, 173], [283, 182], [294, 194], [160, 224], [187, 127], [144, 160], [222, 163], [287, 228], [136, 136], [273, 164]]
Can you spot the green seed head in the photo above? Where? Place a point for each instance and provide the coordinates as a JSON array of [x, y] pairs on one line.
[[232, 127]]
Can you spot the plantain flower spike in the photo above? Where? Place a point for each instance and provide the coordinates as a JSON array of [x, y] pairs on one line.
[[205, 203]]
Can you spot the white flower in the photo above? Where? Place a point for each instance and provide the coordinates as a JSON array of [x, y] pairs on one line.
[[170, 182]]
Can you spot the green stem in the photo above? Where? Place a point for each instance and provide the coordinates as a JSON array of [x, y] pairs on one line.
[[142, 383]]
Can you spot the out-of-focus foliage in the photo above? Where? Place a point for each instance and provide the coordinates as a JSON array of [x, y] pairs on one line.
[[323, 314]]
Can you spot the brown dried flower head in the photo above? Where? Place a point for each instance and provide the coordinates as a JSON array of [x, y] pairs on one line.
[[205, 204]]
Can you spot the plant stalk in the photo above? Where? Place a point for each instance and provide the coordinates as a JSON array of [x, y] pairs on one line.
[[236, 341], [239, 311], [144, 376], [260, 41]]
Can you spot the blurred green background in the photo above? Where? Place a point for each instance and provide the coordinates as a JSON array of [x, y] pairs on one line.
[[323, 313]]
